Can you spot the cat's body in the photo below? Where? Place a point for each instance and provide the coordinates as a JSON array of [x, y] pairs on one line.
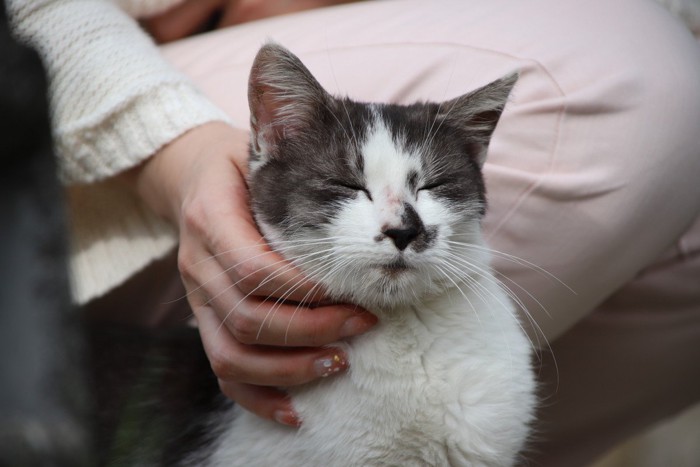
[[427, 387], [381, 204]]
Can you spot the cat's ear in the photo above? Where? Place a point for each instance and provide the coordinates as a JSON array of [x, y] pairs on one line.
[[283, 96], [479, 111]]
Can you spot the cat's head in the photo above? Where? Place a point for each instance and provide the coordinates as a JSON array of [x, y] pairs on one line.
[[373, 201]]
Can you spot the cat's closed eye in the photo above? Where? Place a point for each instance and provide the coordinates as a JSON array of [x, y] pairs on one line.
[[432, 185], [352, 187]]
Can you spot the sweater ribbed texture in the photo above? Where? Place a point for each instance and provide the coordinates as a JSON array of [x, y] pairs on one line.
[[114, 102]]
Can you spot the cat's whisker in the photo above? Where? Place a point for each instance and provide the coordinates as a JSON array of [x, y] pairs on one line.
[[471, 305], [443, 118], [245, 297], [484, 293], [428, 137], [219, 274], [294, 244], [514, 259], [342, 102], [485, 266], [470, 266], [475, 286], [230, 250], [299, 280], [460, 276], [267, 279], [277, 250], [340, 124], [309, 295], [280, 246], [539, 334], [305, 265], [283, 264], [313, 156], [482, 271], [513, 282], [321, 280], [289, 292]]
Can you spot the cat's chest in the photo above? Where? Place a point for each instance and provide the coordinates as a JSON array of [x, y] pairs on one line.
[[400, 368], [419, 391]]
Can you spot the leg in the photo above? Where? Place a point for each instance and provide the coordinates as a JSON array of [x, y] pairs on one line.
[[591, 174], [627, 365], [593, 146]]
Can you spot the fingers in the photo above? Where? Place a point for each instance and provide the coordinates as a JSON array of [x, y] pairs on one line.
[[265, 402], [252, 265], [216, 222], [263, 365], [249, 364], [182, 20], [246, 373], [264, 322], [260, 321], [228, 229], [249, 266], [242, 11], [253, 342], [253, 318], [256, 270]]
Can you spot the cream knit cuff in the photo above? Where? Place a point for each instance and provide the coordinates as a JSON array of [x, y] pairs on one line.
[[113, 235], [133, 133]]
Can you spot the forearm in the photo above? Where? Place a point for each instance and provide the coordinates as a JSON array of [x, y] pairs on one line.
[[114, 100], [161, 181]]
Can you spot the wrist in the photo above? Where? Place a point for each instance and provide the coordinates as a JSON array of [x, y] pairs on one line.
[[163, 180]]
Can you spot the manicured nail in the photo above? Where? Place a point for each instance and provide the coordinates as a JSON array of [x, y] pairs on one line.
[[331, 364], [287, 417], [357, 325]]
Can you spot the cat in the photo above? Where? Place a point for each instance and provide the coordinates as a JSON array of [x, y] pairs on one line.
[[381, 204]]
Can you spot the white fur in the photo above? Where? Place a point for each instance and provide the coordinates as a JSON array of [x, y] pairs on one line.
[[386, 165], [444, 380]]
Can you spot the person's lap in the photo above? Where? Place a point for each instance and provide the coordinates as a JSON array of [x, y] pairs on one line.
[[591, 174]]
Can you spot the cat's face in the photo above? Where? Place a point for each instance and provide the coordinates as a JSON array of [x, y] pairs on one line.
[[372, 201]]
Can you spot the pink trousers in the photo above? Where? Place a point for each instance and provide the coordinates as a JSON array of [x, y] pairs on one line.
[[593, 175]]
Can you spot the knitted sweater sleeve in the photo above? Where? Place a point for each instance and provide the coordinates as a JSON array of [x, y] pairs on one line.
[[114, 102], [114, 99]]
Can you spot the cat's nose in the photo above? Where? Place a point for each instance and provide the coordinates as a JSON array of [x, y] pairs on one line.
[[402, 237]]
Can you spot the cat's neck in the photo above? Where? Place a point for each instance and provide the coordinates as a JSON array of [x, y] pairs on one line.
[[475, 307]]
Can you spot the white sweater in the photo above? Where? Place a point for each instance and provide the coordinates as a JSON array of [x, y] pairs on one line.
[[114, 102]]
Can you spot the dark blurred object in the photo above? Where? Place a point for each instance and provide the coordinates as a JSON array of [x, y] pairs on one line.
[[151, 381], [43, 401], [79, 387], [155, 393]]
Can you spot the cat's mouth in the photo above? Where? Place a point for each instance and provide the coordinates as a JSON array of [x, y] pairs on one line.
[[396, 266]]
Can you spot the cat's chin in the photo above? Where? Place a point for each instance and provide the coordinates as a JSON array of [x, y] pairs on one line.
[[385, 286], [394, 269]]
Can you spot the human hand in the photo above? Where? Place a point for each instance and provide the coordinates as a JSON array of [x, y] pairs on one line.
[[193, 16], [253, 344]]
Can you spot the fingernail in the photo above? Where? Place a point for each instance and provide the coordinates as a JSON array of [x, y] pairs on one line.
[[287, 417], [357, 325], [331, 364]]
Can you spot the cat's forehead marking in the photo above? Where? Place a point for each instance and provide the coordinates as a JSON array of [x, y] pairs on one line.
[[387, 164]]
